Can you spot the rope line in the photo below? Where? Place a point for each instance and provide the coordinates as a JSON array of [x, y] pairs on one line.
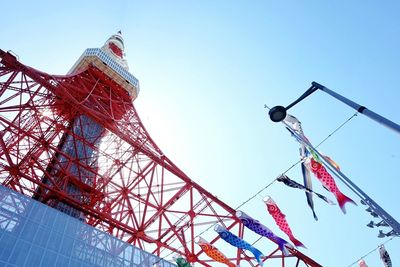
[[362, 257], [264, 188], [337, 129]]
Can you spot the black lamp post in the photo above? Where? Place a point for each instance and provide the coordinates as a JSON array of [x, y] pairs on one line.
[[278, 113]]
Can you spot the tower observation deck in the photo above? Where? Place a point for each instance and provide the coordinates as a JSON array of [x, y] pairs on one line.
[[76, 144]]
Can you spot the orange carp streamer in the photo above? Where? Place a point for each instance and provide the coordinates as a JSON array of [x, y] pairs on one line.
[[213, 252]]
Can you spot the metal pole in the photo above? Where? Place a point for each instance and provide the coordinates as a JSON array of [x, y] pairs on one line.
[[370, 114], [353, 187]]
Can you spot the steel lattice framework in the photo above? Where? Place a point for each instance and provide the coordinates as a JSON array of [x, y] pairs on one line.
[[134, 192]]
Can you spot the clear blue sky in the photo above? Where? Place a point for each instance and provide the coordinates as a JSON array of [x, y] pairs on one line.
[[206, 70]]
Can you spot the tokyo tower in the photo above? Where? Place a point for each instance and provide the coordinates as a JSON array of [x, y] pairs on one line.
[[75, 143]]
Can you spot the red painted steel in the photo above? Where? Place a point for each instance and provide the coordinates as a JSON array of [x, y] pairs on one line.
[[137, 194]]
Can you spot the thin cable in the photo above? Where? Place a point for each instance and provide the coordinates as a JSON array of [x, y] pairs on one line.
[[265, 187], [370, 252], [253, 196], [337, 129]]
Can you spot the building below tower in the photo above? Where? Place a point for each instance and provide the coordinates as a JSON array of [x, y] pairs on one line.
[[33, 234]]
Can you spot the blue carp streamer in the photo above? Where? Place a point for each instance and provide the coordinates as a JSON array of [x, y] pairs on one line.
[[238, 242]]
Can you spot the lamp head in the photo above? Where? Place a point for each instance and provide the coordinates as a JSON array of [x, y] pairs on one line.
[[381, 234], [277, 113], [371, 224]]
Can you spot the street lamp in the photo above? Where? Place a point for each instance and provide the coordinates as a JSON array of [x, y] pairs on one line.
[[279, 113]]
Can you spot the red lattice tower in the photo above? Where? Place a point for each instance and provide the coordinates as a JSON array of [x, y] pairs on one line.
[[125, 186]]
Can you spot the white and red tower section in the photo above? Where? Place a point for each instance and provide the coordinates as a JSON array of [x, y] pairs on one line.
[[75, 142]]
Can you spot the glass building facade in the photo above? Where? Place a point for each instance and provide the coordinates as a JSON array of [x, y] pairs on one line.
[[33, 234]]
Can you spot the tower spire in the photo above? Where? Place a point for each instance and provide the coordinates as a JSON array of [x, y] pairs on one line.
[[115, 47]]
